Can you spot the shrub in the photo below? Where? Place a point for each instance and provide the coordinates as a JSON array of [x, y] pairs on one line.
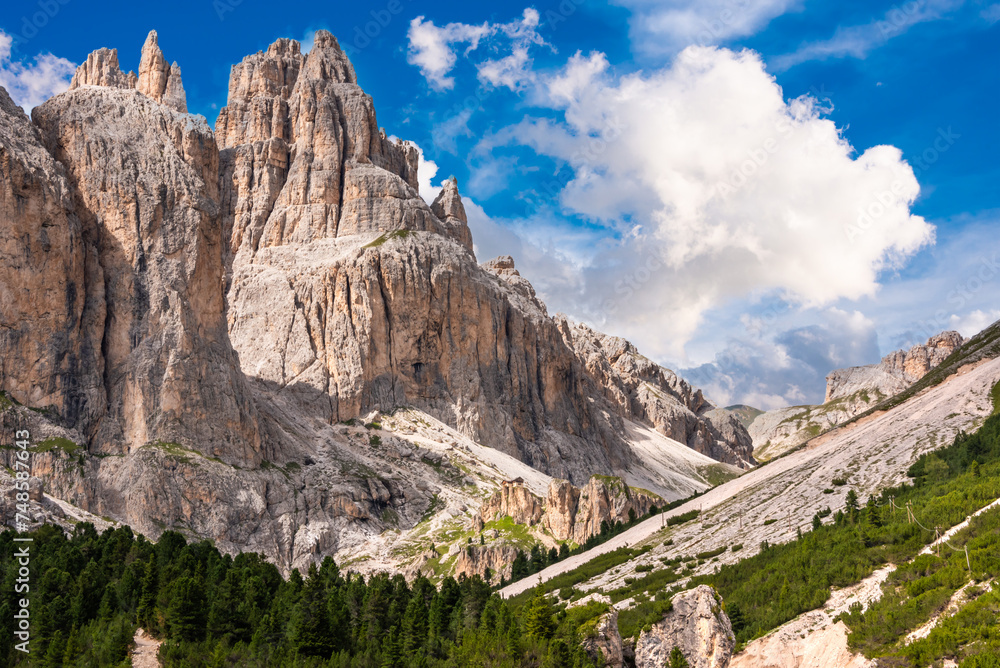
[[681, 519]]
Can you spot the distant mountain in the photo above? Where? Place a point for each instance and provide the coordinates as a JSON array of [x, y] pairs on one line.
[[745, 414], [850, 392]]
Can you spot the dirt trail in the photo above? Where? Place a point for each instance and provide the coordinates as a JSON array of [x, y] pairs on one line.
[[146, 648]]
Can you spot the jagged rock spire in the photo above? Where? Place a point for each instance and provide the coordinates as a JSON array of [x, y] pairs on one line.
[[156, 80], [160, 81], [449, 209], [102, 69]]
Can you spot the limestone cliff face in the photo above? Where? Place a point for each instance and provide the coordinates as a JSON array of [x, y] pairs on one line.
[[849, 392], [897, 370], [697, 625], [143, 180], [658, 396], [604, 645], [568, 512], [606, 499], [349, 292], [44, 270], [210, 306], [515, 501], [494, 560], [156, 79]]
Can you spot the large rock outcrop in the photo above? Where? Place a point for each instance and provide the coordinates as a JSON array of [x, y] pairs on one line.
[[896, 372], [512, 500], [212, 306], [697, 625], [156, 79], [656, 395], [352, 294], [47, 327], [604, 643], [568, 512], [143, 180], [490, 562]]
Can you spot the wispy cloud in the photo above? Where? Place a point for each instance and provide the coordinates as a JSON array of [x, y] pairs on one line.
[[31, 84], [432, 49], [857, 41], [663, 28]]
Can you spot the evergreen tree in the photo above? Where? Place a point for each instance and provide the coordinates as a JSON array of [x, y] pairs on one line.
[[563, 551], [311, 634], [415, 624], [519, 568], [677, 659], [146, 614], [558, 655], [852, 504], [538, 617], [186, 613], [736, 618], [537, 558], [873, 513]]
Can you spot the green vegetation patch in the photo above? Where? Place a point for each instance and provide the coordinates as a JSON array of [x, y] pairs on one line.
[[58, 444], [781, 582], [718, 474], [682, 518]]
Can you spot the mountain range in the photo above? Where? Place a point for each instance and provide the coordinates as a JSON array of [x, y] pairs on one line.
[[263, 335]]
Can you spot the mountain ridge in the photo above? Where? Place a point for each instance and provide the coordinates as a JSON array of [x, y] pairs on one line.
[[228, 300]]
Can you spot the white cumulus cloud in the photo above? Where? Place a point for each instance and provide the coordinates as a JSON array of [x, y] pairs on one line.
[[431, 48], [712, 187], [30, 84]]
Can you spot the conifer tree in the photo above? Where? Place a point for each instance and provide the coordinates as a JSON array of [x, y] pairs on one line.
[[677, 659], [538, 617]]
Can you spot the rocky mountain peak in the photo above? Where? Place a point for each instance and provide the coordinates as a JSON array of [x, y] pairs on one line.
[[327, 62], [156, 79], [102, 69], [502, 265], [897, 370], [218, 302], [449, 209]]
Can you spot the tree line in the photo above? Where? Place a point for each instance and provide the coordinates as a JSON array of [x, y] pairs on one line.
[[91, 591]]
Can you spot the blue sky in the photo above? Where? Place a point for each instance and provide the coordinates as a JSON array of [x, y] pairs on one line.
[[691, 175]]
